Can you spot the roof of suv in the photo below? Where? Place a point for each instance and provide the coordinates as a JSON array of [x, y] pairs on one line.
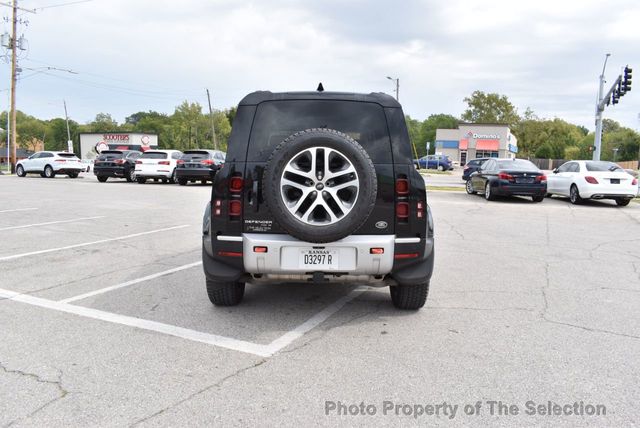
[[375, 97]]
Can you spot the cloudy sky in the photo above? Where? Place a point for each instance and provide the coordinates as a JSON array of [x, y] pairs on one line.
[[138, 55]]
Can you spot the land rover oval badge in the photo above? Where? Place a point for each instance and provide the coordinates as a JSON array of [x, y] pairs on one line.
[[381, 225]]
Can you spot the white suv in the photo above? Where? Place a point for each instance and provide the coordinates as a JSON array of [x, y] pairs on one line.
[[157, 165], [48, 164]]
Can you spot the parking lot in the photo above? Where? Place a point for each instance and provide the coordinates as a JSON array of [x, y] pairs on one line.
[[105, 319]]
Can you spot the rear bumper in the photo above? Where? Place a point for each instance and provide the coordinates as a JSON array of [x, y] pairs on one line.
[[503, 189], [74, 170], [153, 174], [607, 191], [194, 173], [280, 263], [109, 171]]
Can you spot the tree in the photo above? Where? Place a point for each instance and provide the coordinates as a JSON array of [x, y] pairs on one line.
[[413, 127], [103, 123], [490, 108], [429, 127]]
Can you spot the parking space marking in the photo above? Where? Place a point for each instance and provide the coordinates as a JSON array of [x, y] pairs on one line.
[[171, 330], [84, 244], [49, 222], [128, 283], [18, 209], [185, 333]]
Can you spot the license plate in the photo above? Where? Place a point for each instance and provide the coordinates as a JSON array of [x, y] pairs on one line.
[[524, 180], [615, 181], [318, 259]]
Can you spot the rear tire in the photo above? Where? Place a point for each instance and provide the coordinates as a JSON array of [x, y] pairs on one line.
[[49, 172], [469, 188], [203, 181], [20, 171], [574, 195], [623, 202], [102, 178], [440, 168], [225, 293], [73, 175], [182, 181], [173, 178], [537, 198], [131, 175], [141, 180], [487, 192], [410, 297]]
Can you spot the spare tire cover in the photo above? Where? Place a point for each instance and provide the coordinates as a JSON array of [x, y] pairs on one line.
[[320, 185]]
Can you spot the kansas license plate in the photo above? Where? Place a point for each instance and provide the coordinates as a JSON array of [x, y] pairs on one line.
[[318, 259]]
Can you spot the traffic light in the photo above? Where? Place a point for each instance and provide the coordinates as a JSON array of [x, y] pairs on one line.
[[626, 81], [615, 97]]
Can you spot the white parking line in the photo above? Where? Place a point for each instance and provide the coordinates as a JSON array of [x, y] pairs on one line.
[[49, 222], [18, 209], [68, 247], [128, 283], [185, 333]]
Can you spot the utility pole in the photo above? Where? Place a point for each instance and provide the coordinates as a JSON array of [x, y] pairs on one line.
[[598, 136], [14, 47], [397, 80], [66, 116], [213, 128]]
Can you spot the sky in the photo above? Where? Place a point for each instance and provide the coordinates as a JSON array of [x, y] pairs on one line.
[[140, 55]]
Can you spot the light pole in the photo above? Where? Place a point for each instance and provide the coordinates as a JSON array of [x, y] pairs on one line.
[[615, 153], [397, 80], [598, 136]]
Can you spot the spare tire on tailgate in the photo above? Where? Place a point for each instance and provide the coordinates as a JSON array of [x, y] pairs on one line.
[[320, 185]]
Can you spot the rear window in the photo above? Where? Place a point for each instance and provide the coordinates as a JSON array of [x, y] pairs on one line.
[[517, 164], [602, 166], [153, 155], [67, 155], [109, 155], [195, 155], [276, 120]]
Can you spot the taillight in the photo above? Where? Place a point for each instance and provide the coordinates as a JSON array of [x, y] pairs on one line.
[[235, 208], [402, 256], [466, 167], [138, 162], [402, 186], [180, 162], [164, 163], [402, 210], [420, 209], [257, 249], [206, 162], [376, 251], [236, 184], [119, 161], [217, 207], [634, 182], [541, 178], [591, 179], [505, 176]]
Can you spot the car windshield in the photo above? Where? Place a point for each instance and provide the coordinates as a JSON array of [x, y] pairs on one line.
[[109, 155], [517, 165], [602, 166], [195, 155], [276, 120], [153, 155]]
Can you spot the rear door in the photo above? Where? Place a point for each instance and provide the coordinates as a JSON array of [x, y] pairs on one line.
[[70, 161], [276, 120]]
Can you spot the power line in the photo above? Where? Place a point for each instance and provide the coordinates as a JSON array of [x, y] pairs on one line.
[[62, 4]]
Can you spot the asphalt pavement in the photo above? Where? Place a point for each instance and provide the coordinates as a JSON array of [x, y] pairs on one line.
[[104, 320]]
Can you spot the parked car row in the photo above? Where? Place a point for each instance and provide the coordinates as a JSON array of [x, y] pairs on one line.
[[166, 165], [578, 180]]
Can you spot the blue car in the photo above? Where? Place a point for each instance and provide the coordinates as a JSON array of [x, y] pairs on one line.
[[439, 162]]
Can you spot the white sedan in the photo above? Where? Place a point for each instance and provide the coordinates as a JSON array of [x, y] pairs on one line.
[[48, 164], [584, 179], [157, 165]]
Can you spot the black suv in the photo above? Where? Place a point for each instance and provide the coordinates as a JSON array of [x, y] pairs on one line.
[[318, 187], [200, 164], [116, 163]]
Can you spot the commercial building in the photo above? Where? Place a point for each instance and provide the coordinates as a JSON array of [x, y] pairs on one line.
[[92, 143], [476, 140]]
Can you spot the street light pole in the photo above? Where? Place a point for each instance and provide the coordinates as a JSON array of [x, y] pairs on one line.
[[397, 80], [599, 111]]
